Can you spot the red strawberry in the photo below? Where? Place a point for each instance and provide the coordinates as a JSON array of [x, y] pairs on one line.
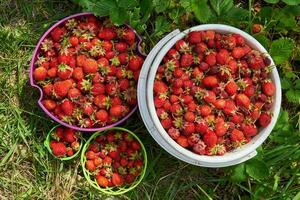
[[48, 89], [58, 149], [102, 116], [107, 34], [129, 178], [182, 141], [193, 139], [249, 91], [186, 60], [90, 66], [124, 84], [160, 87], [201, 126], [210, 138], [205, 110], [231, 87], [102, 101], [40, 74], [97, 89], [80, 60], [249, 130], [70, 152], [135, 63], [67, 107], [116, 110], [222, 57], [221, 128], [166, 123], [237, 136], [69, 135], [220, 103], [97, 161], [194, 37], [238, 52], [78, 73], [210, 97], [49, 104], [123, 58], [264, 119], [210, 81], [242, 100], [52, 73], [102, 181], [268, 88], [208, 35], [189, 116], [74, 93], [57, 33], [61, 88], [121, 46], [74, 41], [256, 28], [188, 128], [230, 107], [210, 59], [89, 164], [128, 35]]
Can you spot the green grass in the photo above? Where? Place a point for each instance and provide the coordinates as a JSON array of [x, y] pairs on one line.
[[28, 171]]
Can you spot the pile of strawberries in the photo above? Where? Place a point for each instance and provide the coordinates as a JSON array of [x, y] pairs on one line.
[[65, 142], [115, 159], [212, 92], [88, 70]]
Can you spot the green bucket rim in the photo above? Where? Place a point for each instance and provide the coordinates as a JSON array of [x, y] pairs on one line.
[[47, 145], [113, 190]]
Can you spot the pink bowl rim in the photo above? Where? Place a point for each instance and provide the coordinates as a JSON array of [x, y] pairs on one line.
[[32, 83]]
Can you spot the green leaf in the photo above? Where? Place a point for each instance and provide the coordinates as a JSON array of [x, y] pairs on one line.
[[162, 26], [293, 96], [263, 40], [118, 15], [271, 1], [238, 173], [297, 84], [292, 10], [291, 2], [257, 169], [146, 9], [221, 6], [127, 3], [186, 4], [281, 49], [201, 10], [283, 120], [100, 8], [285, 83], [237, 14], [161, 6]]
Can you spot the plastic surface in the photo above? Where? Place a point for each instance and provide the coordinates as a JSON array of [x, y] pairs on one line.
[[32, 82], [231, 158], [113, 190], [47, 145]]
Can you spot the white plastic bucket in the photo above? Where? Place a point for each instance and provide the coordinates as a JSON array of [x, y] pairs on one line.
[[154, 126]]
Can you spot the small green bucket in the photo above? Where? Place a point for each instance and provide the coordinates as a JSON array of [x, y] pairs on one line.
[[113, 190], [47, 145]]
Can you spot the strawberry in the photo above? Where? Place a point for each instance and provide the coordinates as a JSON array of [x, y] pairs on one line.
[[58, 149], [220, 128], [220, 103], [186, 60], [231, 87], [256, 28], [49, 104], [199, 147], [210, 81], [189, 116], [211, 59], [52, 73], [78, 73], [70, 152], [242, 100], [135, 63], [102, 101], [194, 37], [57, 33], [160, 87], [173, 133], [117, 110], [90, 66], [222, 57], [74, 41], [182, 141], [268, 88], [238, 52], [48, 89], [97, 89], [69, 135], [117, 180], [249, 130], [205, 110], [166, 123], [210, 138], [74, 93], [102, 181], [209, 97], [61, 88], [188, 128], [102, 116], [67, 107], [230, 107], [128, 35], [193, 139], [129, 178], [107, 34], [121, 46], [264, 119], [237, 136], [40, 74], [201, 126]]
